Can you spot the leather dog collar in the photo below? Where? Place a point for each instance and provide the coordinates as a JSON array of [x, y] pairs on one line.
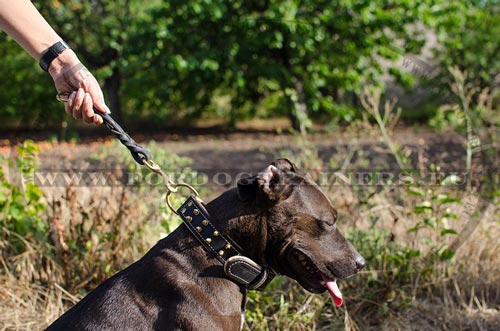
[[237, 267]]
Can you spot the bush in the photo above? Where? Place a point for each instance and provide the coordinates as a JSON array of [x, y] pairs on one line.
[[81, 235]]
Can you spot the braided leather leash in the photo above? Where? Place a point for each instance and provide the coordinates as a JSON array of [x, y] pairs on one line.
[[237, 267], [139, 153]]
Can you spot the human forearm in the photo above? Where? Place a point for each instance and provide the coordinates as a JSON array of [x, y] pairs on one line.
[[21, 20]]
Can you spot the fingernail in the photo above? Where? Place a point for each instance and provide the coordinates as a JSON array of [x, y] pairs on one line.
[[107, 109], [97, 120]]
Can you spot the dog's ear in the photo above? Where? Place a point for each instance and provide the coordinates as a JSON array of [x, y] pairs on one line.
[[284, 164], [269, 185], [273, 182]]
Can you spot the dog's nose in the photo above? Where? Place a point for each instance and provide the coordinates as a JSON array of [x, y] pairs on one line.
[[360, 262]]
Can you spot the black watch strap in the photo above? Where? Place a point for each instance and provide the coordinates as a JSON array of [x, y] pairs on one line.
[[51, 53]]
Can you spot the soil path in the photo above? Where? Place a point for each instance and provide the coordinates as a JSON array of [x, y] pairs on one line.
[[238, 153]]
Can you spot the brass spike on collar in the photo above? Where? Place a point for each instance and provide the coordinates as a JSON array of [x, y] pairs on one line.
[[237, 267]]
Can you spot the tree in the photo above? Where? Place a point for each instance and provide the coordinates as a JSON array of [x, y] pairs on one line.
[[169, 60], [306, 52]]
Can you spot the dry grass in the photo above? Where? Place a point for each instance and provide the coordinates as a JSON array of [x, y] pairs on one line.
[[96, 231], [28, 306], [436, 316]]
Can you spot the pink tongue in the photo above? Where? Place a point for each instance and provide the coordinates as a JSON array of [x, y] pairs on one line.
[[331, 286]]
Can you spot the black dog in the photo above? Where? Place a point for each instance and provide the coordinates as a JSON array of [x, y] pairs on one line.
[[277, 222]]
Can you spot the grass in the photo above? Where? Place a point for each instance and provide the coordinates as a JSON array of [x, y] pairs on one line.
[[58, 244], [30, 305]]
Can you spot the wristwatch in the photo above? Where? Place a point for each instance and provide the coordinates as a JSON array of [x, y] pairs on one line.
[[51, 53]]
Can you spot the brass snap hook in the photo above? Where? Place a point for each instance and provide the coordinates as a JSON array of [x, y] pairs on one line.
[[194, 193], [171, 186]]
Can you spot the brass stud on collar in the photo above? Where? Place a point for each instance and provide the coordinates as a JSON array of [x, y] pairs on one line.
[[221, 252], [198, 229], [216, 233], [208, 240], [189, 218], [196, 211], [190, 203], [204, 222], [228, 246], [183, 210]]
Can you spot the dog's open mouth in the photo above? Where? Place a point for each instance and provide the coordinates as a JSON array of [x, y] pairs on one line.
[[311, 278]]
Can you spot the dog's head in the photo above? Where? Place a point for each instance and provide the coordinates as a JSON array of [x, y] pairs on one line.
[[303, 241]]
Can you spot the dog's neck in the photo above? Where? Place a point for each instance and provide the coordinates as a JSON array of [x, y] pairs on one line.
[[243, 222]]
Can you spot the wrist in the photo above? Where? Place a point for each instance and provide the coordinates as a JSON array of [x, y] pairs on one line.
[[52, 53], [67, 59]]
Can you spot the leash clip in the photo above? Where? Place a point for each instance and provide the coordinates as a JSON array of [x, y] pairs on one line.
[[172, 187], [194, 194]]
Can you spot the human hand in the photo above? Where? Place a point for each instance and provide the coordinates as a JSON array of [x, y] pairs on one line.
[[70, 76]]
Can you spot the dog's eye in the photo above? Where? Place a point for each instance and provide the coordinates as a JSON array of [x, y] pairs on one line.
[[327, 225]]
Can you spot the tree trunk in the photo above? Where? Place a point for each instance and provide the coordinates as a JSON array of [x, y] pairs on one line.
[[297, 112], [112, 89]]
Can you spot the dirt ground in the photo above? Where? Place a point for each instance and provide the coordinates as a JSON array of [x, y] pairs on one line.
[[213, 148], [252, 150]]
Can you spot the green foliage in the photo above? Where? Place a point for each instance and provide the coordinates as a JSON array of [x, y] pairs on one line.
[[434, 210], [26, 100], [283, 305], [165, 61], [22, 205], [467, 31], [309, 51], [446, 118], [393, 267]]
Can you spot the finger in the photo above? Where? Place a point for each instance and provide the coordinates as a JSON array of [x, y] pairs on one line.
[[87, 111], [68, 108], [97, 120], [92, 87], [77, 106]]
